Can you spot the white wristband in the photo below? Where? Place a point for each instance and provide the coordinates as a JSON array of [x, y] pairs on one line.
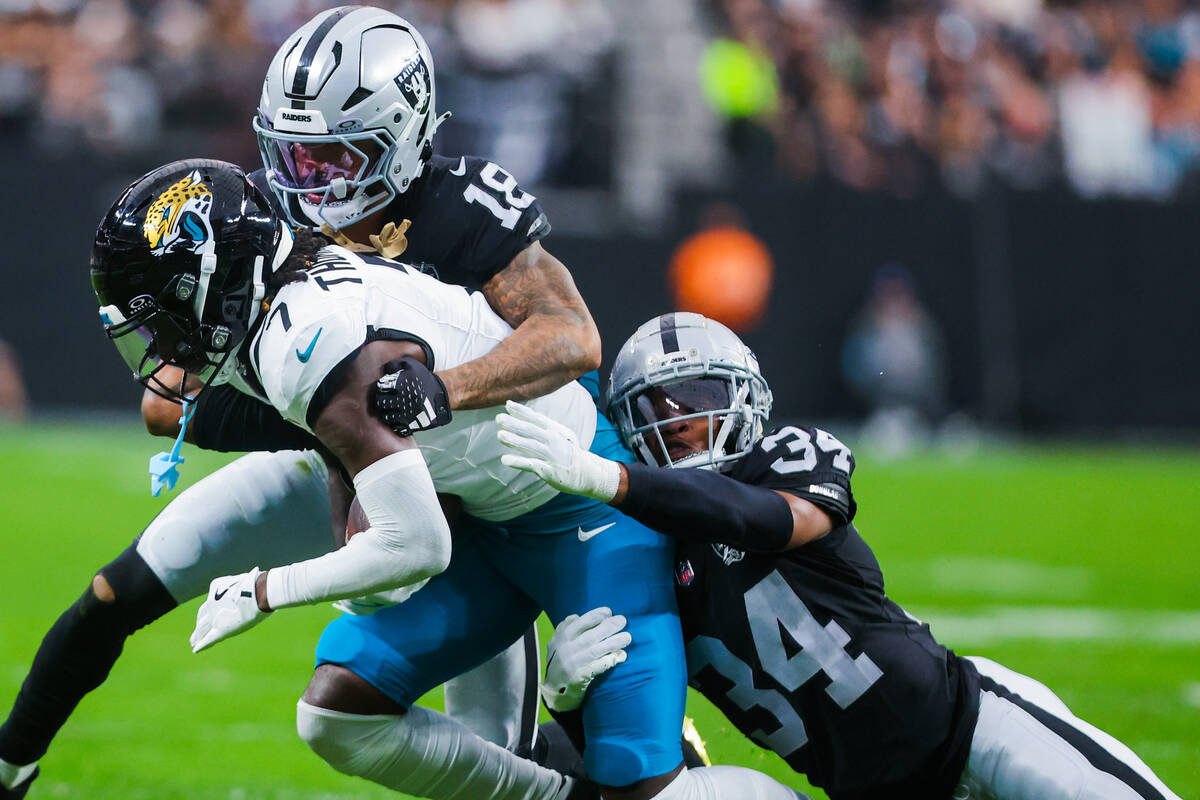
[[605, 477]]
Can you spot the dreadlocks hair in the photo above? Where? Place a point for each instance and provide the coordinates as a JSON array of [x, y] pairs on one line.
[[296, 266]]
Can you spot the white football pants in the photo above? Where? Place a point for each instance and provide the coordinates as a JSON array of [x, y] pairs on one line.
[[1028, 745], [271, 509]]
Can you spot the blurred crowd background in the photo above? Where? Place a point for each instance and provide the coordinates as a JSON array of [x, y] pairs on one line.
[[976, 205], [878, 94]]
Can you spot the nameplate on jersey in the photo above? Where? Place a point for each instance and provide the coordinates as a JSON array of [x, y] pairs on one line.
[[292, 120]]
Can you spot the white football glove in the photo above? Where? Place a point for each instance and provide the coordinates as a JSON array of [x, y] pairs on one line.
[[230, 608], [368, 604], [550, 450], [582, 648]]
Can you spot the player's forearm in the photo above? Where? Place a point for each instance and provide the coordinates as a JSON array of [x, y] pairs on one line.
[[554, 337], [408, 540], [544, 353], [704, 506], [364, 566]]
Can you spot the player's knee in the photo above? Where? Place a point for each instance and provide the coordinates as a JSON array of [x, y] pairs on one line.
[[102, 590], [125, 595], [326, 736], [356, 744]]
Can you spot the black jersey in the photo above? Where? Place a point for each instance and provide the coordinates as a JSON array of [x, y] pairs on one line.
[[469, 218], [807, 656]]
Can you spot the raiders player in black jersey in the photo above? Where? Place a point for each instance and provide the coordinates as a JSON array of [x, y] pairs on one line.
[[787, 626], [344, 125]]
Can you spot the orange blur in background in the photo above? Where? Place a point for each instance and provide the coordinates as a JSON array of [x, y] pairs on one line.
[[724, 273]]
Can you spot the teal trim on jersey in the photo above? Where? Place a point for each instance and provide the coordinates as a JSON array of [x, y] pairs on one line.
[[591, 382], [607, 441], [564, 510]]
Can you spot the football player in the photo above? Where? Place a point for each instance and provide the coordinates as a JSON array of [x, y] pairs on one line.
[[193, 269], [466, 215], [787, 627]]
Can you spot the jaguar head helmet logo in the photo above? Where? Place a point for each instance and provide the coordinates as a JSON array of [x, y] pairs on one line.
[[179, 218]]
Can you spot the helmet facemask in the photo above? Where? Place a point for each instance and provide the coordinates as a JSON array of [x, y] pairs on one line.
[[155, 336], [654, 416], [335, 179]]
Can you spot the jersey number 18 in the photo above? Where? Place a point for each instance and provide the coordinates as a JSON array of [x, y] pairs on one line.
[[505, 201]]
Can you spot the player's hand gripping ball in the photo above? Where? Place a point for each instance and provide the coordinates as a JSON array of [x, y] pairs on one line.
[[356, 523]]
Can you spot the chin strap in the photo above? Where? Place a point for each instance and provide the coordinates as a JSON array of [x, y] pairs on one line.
[[164, 466]]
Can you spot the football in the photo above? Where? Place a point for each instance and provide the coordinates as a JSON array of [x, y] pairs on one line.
[[356, 519]]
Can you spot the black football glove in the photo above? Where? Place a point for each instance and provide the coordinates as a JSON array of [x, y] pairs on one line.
[[410, 398]]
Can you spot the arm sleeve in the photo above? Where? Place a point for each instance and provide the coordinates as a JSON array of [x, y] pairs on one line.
[[230, 421], [408, 541], [703, 506]]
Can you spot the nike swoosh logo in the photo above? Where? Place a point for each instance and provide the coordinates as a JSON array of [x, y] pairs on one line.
[[585, 535], [461, 169], [308, 352], [222, 593]]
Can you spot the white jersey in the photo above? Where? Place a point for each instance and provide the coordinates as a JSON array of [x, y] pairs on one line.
[[316, 325]]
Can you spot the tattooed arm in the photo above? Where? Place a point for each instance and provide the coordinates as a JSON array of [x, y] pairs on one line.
[[555, 340]]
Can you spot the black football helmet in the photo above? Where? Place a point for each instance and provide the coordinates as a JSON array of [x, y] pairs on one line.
[[179, 265]]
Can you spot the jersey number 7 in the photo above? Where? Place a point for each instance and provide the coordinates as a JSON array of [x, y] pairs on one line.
[[505, 201]]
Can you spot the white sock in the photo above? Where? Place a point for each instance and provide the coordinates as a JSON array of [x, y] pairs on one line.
[[13, 774], [726, 783], [425, 753]]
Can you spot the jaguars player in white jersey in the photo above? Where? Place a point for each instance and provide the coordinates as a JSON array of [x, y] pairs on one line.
[[465, 215], [228, 296], [856, 694]]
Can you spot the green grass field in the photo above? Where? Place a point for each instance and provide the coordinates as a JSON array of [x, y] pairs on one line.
[[1076, 566]]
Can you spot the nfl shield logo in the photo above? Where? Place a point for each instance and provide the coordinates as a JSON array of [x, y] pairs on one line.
[[684, 574]]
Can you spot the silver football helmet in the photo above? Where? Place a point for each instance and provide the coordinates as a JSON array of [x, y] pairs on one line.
[[347, 115], [681, 367]]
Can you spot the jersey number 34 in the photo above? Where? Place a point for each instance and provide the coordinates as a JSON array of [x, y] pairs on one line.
[[771, 605]]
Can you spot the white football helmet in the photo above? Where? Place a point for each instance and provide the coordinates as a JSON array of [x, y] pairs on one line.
[[684, 366], [346, 116]]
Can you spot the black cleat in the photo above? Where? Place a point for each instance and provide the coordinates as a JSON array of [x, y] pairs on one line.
[[18, 791]]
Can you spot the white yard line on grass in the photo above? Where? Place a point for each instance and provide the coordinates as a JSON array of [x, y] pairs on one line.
[[1006, 623], [1010, 579]]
